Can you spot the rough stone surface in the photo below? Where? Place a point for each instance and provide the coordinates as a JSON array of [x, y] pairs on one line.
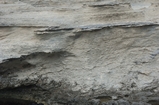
[[80, 52]]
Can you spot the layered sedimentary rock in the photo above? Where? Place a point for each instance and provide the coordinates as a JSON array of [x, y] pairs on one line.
[[79, 52]]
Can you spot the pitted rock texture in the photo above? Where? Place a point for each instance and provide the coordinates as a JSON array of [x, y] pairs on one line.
[[80, 52]]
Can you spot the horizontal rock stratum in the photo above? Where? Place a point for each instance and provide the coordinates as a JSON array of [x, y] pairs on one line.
[[79, 52]]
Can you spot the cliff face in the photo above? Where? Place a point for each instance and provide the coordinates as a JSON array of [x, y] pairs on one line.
[[79, 52]]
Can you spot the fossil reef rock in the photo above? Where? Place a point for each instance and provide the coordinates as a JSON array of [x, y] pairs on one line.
[[79, 52]]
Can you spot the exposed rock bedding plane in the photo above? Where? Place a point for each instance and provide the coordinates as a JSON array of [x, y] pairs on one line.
[[79, 52]]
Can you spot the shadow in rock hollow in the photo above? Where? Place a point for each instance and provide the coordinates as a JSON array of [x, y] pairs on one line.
[[9, 101]]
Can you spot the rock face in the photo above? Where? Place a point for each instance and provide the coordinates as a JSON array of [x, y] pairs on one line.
[[79, 52]]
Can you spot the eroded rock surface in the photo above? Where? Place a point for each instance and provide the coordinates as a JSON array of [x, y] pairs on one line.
[[79, 52]]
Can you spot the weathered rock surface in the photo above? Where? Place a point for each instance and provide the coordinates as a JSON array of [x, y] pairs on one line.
[[80, 52]]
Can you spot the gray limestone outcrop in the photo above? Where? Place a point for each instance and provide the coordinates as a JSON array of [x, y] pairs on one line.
[[79, 52]]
